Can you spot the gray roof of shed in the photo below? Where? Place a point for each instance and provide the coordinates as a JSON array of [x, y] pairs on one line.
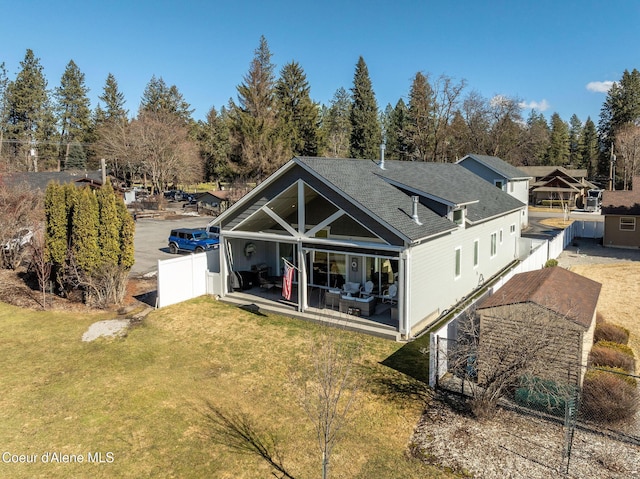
[[377, 191]]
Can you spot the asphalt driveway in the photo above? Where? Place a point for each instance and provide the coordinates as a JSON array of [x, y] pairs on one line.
[[150, 241]]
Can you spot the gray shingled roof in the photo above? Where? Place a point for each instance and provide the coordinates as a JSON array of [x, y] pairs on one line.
[[500, 166], [368, 186], [40, 180]]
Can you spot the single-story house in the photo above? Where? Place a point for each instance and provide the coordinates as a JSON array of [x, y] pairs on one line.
[[558, 184], [416, 236], [548, 315], [503, 175], [38, 180], [621, 210]]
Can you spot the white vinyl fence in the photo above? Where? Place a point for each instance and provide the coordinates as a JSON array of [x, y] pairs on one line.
[[184, 277], [541, 251]]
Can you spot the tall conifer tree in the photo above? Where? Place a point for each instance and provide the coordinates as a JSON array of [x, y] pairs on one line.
[[336, 125], [298, 113], [366, 134], [30, 120], [420, 119], [559, 141], [73, 111]]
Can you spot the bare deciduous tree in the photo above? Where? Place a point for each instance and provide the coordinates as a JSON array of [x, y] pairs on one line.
[[40, 263], [21, 211], [628, 147], [162, 149], [327, 391], [495, 364]]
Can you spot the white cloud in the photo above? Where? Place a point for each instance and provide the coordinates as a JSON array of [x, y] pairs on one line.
[[599, 86], [534, 105]]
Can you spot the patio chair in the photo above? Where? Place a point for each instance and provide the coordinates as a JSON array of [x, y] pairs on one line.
[[389, 295], [351, 288], [366, 290]]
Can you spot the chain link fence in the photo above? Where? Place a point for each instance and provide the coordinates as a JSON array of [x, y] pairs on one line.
[[597, 409]]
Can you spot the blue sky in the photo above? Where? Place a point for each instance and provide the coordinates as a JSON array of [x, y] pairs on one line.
[[553, 55]]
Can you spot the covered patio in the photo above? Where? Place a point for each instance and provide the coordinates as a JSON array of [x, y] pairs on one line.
[[269, 300]]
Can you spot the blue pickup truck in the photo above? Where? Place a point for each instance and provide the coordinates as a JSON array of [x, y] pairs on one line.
[[190, 239]]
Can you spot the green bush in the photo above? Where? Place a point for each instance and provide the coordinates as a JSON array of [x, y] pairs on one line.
[[610, 332], [551, 263], [609, 397]]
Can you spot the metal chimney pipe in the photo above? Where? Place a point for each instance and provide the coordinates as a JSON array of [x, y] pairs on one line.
[[414, 209], [382, 148]]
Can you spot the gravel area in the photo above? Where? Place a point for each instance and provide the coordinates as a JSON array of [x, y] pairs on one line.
[[515, 446], [590, 251]]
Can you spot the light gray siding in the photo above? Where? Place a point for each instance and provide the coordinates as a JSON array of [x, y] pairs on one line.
[[432, 282]]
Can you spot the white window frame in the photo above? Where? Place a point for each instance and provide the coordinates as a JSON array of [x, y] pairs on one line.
[[457, 260], [629, 224], [501, 236], [512, 229], [493, 244]]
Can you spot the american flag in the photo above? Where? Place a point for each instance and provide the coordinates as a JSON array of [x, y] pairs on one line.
[[287, 281]]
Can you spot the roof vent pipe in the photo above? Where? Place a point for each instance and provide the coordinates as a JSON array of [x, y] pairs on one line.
[[414, 209], [382, 148]]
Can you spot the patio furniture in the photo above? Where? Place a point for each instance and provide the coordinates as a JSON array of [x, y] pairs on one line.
[[331, 298], [390, 295], [359, 306], [366, 290], [351, 288]]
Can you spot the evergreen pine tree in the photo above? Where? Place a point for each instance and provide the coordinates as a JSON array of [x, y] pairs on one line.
[[160, 99], [366, 134], [397, 147], [575, 132], [538, 138], [73, 110], [559, 141], [4, 83], [114, 102], [298, 114], [30, 121], [258, 147], [589, 148], [336, 125], [420, 119], [213, 139]]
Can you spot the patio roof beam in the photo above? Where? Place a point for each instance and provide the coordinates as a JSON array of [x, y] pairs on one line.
[[280, 221], [312, 232]]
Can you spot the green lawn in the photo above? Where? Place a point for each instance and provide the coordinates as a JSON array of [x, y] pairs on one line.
[[139, 400]]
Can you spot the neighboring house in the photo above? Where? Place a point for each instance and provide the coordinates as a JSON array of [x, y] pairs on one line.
[[433, 231], [550, 307], [558, 184], [216, 201], [505, 176], [621, 210], [39, 180]]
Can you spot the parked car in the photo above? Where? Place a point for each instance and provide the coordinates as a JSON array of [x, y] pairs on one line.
[[190, 239], [19, 241], [213, 231]]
